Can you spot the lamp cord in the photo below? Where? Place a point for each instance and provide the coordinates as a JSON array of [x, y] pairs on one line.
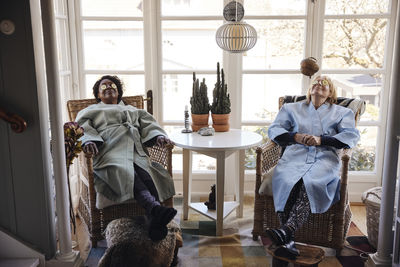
[[236, 11]]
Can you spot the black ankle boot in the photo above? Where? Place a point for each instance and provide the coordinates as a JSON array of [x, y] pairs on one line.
[[287, 250], [278, 237]]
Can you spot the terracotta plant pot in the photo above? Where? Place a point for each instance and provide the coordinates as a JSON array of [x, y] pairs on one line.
[[199, 121], [220, 122]]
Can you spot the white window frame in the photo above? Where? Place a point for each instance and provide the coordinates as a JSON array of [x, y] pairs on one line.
[[70, 73], [360, 181], [78, 18], [232, 63]]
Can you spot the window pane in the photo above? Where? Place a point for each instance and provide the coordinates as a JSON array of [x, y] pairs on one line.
[[62, 45], [365, 86], [192, 7], [261, 94], [113, 45], [60, 7], [132, 8], [273, 7], [250, 156], [177, 151], [280, 45], [188, 45], [357, 7], [177, 90], [354, 43], [66, 90], [132, 84], [363, 156]]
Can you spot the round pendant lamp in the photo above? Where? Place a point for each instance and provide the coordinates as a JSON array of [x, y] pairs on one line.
[[235, 36]]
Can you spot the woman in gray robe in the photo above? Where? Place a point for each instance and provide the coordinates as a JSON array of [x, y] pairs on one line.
[[117, 135]]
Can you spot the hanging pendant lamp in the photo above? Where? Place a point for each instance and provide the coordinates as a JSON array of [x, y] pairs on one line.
[[235, 36]]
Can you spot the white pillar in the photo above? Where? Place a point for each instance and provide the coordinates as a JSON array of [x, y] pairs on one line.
[[385, 241], [57, 133]]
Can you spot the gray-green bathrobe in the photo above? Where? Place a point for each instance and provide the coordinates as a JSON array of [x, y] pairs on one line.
[[120, 131]]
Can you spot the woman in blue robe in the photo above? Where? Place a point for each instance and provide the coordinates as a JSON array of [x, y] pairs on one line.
[[306, 179]]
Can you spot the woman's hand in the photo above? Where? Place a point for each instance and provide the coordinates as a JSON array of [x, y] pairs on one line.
[[90, 148], [312, 140], [308, 140], [163, 140], [299, 138]]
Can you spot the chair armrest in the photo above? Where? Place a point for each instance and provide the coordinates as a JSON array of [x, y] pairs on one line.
[[162, 155], [267, 157], [345, 156], [90, 179]]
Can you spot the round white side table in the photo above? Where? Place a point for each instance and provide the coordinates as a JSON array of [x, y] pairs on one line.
[[219, 146]]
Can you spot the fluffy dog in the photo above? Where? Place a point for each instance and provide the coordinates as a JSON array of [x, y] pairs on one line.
[[129, 245]]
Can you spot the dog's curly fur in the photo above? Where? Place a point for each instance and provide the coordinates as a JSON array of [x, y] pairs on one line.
[[129, 245]]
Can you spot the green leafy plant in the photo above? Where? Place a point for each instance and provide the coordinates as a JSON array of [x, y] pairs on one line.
[[199, 101], [221, 102], [250, 156], [362, 159]]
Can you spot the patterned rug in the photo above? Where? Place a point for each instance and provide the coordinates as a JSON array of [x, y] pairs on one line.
[[236, 247]]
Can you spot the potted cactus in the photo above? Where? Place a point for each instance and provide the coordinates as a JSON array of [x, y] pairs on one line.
[[221, 106], [200, 106]]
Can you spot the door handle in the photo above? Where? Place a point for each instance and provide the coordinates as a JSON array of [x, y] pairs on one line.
[[18, 124]]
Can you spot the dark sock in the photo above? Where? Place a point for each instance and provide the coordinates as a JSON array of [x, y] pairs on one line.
[[160, 217], [163, 215], [157, 231]]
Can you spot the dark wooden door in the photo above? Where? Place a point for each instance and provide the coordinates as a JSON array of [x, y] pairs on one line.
[[26, 209]]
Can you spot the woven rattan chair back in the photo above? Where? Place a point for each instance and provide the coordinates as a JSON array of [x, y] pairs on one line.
[[328, 229], [96, 220], [74, 106]]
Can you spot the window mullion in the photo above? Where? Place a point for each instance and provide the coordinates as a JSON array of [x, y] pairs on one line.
[[233, 75], [152, 53], [233, 66], [73, 51], [308, 47], [318, 30], [79, 48]]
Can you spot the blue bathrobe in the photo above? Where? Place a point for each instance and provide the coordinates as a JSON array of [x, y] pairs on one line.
[[319, 166]]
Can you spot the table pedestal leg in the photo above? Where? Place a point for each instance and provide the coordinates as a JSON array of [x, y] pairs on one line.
[[187, 181], [240, 184], [220, 192]]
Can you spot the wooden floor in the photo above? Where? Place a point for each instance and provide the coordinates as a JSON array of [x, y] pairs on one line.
[[83, 244], [359, 217]]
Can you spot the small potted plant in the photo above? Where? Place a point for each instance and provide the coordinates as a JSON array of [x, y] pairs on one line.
[[200, 106], [221, 106]]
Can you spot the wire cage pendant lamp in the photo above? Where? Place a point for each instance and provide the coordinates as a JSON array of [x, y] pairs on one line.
[[235, 36]]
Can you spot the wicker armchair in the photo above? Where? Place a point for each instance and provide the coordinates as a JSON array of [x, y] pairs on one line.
[[328, 229], [94, 219]]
